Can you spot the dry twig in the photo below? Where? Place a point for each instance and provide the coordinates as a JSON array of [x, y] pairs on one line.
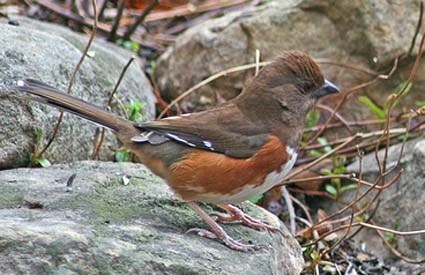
[[71, 82], [108, 105]]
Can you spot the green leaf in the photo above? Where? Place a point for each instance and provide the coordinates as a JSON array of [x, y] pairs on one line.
[[330, 189], [336, 181], [131, 45], [314, 255], [389, 235], [134, 108], [402, 137], [397, 224], [378, 111], [312, 118], [122, 155], [340, 170], [44, 162], [41, 161], [420, 103], [339, 165], [256, 198], [326, 172], [348, 187], [154, 65], [315, 153], [323, 141], [401, 90], [359, 219]]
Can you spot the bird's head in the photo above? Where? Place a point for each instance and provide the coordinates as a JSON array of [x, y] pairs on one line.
[[294, 79]]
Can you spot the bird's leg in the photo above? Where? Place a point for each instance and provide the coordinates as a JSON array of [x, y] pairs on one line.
[[217, 231], [237, 215]]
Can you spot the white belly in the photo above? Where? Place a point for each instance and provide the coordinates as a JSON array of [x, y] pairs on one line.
[[271, 180]]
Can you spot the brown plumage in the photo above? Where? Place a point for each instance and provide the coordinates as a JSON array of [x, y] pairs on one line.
[[217, 177], [226, 154]]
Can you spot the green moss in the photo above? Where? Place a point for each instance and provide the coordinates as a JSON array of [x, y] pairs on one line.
[[112, 202], [176, 269], [107, 208], [149, 237]]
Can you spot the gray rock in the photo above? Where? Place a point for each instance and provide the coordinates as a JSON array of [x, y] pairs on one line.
[[402, 204], [106, 227], [50, 53], [353, 32]]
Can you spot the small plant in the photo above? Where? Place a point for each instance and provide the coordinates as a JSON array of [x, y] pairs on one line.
[[391, 237], [123, 155], [318, 153], [153, 65], [35, 157], [134, 108], [335, 187], [381, 113], [129, 45], [374, 108]]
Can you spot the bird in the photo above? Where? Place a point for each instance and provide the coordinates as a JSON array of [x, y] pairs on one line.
[[224, 155]]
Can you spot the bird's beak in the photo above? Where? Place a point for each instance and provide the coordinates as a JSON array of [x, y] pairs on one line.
[[327, 89]]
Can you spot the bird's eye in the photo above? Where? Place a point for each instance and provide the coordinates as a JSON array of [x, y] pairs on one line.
[[307, 86]]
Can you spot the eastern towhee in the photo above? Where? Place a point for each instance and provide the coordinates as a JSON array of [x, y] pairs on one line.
[[224, 155]]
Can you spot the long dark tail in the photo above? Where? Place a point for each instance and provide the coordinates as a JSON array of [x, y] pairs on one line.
[[48, 95]]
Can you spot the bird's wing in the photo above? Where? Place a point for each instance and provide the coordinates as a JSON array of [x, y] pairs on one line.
[[223, 130]]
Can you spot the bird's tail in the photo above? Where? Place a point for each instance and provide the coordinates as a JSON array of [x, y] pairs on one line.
[[48, 95]]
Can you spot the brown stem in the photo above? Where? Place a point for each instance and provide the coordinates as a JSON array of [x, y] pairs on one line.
[[140, 20], [113, 34], [111, 96], [71, 82]]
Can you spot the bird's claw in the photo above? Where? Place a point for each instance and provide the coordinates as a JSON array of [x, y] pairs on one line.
[[237, 215], [226, 239]]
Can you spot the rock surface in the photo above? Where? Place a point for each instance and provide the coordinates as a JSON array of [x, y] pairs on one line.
[[402, 204], [50, 53], [104, 226], [363, 34]]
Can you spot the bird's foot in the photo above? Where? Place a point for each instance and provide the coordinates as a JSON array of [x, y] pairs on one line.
[[237, 215], [226, 239], [218, 232]]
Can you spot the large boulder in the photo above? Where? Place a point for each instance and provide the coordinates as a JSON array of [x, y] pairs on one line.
[[50, 53], [368, 35], [104, 224]]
